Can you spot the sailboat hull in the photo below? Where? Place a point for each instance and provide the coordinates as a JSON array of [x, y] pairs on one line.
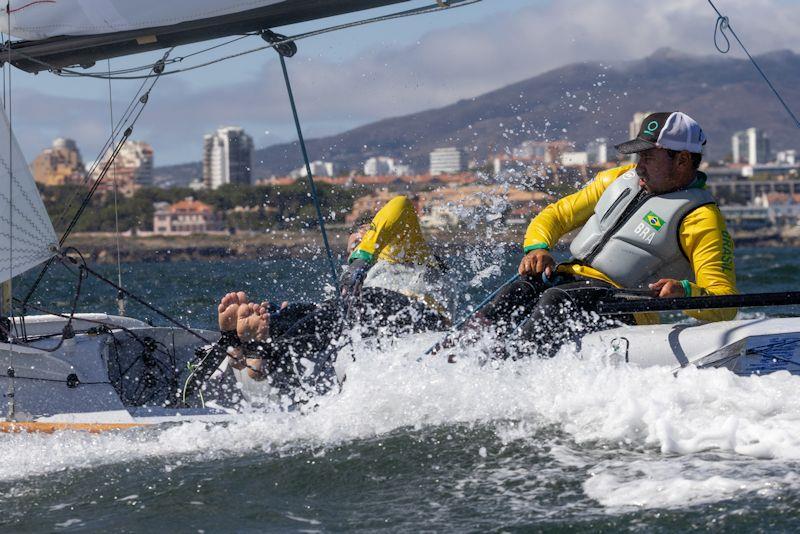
[[745, 347], [126, 375]]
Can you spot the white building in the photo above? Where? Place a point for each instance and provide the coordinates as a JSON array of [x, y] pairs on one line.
[[227, 157], [535, 150], [318, 168], [185, 217], [597, 151], [445, 160], [402, 170], [132, 168], [750, 146], [636, 124], [574, 159], [379, 166], [787, 157]]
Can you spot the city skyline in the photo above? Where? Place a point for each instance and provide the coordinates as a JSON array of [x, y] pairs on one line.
[[228, 156]]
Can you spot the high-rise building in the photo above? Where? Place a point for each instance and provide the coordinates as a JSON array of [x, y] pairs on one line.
[[227, 157], [131, 169], [445, 160], [750, 146], [60, 164]]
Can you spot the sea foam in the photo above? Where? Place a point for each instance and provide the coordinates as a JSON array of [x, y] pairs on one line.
[[698, 436]]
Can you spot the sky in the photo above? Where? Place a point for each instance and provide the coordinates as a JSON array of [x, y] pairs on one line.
[[359, 75]]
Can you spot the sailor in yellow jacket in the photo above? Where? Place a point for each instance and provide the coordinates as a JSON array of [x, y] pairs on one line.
[[649, 226], [389, 251], [389, 286]]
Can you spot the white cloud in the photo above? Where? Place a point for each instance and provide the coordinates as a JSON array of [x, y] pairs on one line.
[[443, 67]]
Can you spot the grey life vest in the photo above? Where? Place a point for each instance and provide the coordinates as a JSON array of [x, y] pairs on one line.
[[419, 282], [633, 239]]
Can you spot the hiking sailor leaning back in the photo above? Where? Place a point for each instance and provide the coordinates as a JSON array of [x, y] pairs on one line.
[[651, 225], [391, 286]]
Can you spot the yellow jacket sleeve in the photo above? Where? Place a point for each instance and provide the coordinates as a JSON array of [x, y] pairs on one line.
[[709, 247], [394, 235], [570, 212]]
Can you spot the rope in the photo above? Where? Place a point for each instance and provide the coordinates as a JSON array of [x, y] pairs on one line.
[[68, 332], [146, 305], [158, 69], [12, 383], [92, 321], [289, 50], [723, 25], [65, 72], [106, 147], [132, 114], [120, 300]]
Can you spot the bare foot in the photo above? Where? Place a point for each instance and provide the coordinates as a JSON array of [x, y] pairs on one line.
[[228, 308], [252, 323]]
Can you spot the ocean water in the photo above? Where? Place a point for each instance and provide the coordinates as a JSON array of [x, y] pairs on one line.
[[409, 446]]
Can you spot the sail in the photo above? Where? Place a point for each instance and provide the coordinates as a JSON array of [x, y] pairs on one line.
[[81, 32], [27, 237]]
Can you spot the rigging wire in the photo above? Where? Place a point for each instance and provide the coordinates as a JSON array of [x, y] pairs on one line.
[[147, 305], [8, 286], [3, 38], [103, 151], [71, 73], [284, 51], [120, 299], [723, 24], [130, 118]]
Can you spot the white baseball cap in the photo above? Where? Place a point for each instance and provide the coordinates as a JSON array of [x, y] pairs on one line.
[[672, 130]]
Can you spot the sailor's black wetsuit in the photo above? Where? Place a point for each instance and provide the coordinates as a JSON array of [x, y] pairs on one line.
[[532, 317], [304, 338]]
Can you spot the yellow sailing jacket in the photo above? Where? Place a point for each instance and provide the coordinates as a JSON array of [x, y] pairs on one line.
[[702, 234], [395, 236], [407, 264]]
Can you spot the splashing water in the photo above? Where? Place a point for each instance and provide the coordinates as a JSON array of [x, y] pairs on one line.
[[411, 443]]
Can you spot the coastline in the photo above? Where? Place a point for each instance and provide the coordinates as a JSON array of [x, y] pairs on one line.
[[101, 247]]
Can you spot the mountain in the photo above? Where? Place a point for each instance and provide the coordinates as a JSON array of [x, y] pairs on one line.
[[581, 102]]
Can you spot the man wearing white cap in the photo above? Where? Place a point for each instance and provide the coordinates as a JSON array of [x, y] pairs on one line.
[[651, 225]]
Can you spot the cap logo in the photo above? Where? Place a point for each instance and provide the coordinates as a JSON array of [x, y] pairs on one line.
[[652, 126]]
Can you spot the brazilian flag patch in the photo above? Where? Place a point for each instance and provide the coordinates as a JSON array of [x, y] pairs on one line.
[[654, 221]]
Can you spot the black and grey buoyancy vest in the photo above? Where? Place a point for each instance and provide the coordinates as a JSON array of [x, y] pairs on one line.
[[633, 237]]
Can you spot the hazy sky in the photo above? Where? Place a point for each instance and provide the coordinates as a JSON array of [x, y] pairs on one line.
[[358, 75]]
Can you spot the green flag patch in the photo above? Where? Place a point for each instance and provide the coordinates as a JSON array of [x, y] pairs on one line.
[[654, 221]]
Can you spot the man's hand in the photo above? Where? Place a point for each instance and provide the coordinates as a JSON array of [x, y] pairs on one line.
[[537, 262], [667, 287], [353, 277]]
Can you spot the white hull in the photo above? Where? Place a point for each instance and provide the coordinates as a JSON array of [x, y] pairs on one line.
[[81, 385], [78, 386], [746, 347]]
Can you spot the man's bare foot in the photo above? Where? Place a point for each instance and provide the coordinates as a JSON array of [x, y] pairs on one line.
[[228, 308], [252, 323]]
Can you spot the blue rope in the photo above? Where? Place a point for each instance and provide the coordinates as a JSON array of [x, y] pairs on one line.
[[723, 23], [310, 177]]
